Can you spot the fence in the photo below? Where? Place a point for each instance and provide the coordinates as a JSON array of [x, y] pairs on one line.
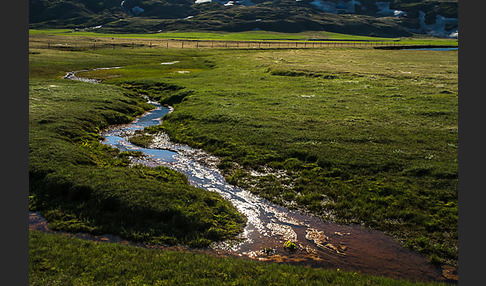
[[203, 44]]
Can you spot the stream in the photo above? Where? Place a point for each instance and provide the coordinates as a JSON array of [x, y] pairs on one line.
[[319, 243], [269, 226]]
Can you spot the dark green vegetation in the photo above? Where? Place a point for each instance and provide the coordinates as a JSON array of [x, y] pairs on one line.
[[58, 260], [277, 15], [79, 184]]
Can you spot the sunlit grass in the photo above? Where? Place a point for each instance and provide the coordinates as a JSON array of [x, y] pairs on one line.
[[246, 36], [58, 260], [367, 135]]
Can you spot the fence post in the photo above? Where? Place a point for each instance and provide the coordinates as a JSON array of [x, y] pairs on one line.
[[94, 47]]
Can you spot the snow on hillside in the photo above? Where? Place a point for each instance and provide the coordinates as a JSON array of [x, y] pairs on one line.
[[383, 8], [331, 7], [227, 3], [438, 28]]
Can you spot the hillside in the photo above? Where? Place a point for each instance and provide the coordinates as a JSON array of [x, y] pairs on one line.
[[366, 17]]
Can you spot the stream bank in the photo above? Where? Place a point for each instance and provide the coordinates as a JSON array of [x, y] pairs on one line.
[[318, 243]]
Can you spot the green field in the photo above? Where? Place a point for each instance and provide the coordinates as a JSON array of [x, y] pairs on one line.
[[247, 36], [81, 185], [59, 260], [367, 136], [364, 136]]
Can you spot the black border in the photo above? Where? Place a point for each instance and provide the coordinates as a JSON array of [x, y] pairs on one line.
[[471, 143], [14, 207], [15, 114]]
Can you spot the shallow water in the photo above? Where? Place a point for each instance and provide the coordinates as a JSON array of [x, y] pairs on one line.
[[319, 243], [323, 244], [433, 49]]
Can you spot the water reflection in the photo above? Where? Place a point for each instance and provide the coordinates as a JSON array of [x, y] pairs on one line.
[[319, 243]]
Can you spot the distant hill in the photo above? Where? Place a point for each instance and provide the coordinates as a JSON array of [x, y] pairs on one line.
[[391, 18]]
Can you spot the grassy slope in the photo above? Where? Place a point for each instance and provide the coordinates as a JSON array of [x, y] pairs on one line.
[[81, 185], [58, 260], [372, 133]]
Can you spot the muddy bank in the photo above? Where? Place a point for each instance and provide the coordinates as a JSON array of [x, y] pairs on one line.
[[299, 257]]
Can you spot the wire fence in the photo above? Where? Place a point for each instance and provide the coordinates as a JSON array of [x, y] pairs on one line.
[[80, 45]]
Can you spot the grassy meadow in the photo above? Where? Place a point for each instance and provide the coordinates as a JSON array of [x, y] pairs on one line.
[[85, 37], [364, 136], [60, 260], [79, 184]]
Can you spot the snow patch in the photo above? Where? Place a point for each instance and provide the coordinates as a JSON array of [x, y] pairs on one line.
[[170, 63], [341, 6], [438, 28], [132, 12], [384, 9], [227, 3], [329, 7], [454, 34], [137, 10]]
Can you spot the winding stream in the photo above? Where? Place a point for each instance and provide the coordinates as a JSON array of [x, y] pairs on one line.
[[269, 226], [319, 243]]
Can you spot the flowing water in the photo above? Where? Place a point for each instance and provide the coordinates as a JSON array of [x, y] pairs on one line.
[[433, 49], [319, 243]]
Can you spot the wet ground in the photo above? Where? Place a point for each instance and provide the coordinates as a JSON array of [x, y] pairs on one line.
[[324, 244], [318, 243]]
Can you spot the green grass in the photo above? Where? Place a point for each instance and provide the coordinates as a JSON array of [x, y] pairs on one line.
[[59, 260], [79, 184], [247, 36], [365, 136], [372, 133]]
